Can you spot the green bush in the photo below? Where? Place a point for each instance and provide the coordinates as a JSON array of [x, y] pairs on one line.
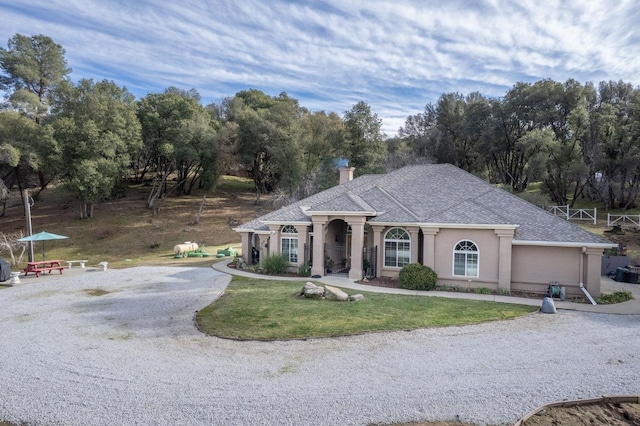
[[304, 270], [417, 277], [482, 290], [276, 264], [617, 297]]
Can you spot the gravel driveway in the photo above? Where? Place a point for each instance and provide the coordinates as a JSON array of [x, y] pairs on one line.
[[134, 356]]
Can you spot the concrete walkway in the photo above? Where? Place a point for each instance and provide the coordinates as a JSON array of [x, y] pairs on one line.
[[631, 307]]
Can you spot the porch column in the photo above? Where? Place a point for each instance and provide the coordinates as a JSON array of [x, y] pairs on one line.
[[414, 235], [504, 259], [246, 244], [263, 242], [303, 238], [274, 247], [592, 277], [377, 242], [429, 244], [357, 243], [319, 230]]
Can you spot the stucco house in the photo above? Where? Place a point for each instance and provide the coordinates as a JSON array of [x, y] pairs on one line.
[[467, 230]]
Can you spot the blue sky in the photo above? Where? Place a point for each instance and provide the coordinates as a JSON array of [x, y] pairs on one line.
[[395, 55]]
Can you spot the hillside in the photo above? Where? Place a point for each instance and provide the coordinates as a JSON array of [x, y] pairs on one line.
[[125, 233]]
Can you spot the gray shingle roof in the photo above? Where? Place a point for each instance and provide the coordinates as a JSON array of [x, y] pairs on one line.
[[433, 194]]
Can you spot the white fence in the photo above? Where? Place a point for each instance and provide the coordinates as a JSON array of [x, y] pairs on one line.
[[574, 214], [622, 219]]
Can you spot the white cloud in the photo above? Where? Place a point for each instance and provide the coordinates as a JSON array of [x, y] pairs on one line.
[[396, 56]]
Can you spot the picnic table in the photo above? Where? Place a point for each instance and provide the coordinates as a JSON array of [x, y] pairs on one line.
[[43, 266]]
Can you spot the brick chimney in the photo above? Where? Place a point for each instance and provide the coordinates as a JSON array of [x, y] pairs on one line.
[[346, 174]]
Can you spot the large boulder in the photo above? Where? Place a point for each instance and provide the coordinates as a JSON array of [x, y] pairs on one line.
[[356, 297], [334, 293], [312, 291], [240, 262], [548, 307]]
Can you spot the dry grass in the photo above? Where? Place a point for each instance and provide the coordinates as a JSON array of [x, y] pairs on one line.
[[125, 233]]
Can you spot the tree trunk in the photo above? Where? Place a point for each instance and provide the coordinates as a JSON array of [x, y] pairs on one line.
[[155, 195], [193, 179], [83, 209], [204, 198]]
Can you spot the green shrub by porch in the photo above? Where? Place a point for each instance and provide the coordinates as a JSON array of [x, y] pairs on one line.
[[304, 270], [416, 276], [276, 264]]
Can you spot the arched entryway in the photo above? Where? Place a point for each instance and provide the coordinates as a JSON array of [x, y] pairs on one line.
[[337, 247]]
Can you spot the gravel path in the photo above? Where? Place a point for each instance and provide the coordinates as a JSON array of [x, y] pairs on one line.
[[134, 356]]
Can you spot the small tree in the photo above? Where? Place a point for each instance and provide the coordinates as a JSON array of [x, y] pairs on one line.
[[416, 276], [16, 249]]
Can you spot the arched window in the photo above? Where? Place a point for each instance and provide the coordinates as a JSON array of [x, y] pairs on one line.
[[289, 243], [397, 248], [466, 259]]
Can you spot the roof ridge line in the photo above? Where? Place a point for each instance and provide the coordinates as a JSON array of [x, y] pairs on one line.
[[472, 200], [399, 204], [360, 202]]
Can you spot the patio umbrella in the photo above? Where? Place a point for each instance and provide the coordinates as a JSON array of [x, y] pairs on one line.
[[43, 236]]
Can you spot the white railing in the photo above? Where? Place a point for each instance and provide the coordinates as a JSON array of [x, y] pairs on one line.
[[574, 214], [562, 211], [622, 219], [584, 214]]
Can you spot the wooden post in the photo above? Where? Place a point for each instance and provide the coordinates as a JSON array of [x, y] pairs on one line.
[[27, 213]]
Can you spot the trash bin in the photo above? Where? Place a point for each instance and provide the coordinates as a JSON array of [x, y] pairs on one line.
[[632, 277], [5, 270], [622, 274]]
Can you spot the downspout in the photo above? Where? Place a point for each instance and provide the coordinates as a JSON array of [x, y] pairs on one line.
[[581, 274], [584, 290]]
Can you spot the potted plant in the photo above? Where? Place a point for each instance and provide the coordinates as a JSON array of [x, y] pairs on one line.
[[329, 265], [366, 268]]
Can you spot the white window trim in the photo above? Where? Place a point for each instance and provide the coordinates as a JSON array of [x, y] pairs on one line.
[[453, 263], [384, 245], [289, 253], [288, 234]]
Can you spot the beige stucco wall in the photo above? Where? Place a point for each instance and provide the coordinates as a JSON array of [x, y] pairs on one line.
[[535, 267], [488, 245], [445, 241], [387, 271], [532, 268]]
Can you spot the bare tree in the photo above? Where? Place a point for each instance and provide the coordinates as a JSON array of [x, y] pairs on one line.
[[16, 249]]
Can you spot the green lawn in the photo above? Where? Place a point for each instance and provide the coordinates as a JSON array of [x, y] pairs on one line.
[[255, 309]]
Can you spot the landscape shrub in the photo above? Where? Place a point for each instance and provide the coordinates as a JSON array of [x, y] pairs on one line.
[[415, 276], [304, 270], [482, 290], [617, 297], [275, 264]]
